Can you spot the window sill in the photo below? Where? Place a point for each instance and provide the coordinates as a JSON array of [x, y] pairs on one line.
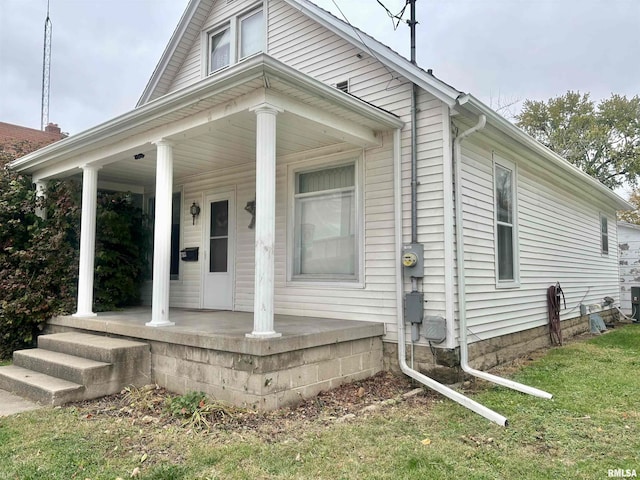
[[507, 285], [324, 284]]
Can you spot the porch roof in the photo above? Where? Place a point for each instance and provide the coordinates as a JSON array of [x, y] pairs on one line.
[[204, 116]]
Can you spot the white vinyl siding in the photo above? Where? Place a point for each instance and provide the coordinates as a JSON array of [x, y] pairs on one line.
[[559, 241], [305, 45], [375, 300]]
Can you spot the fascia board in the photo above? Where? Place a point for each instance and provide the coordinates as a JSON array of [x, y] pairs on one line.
[[169, 51], [254, 67], [239, 73], [387, 56], [476, 107], [293, 77], [631, 226]]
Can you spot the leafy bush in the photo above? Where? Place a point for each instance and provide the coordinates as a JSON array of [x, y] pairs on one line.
[[38, 262], [121, 252], [39, 258]]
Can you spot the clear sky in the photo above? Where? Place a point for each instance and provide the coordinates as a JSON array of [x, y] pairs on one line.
[[104, 51]]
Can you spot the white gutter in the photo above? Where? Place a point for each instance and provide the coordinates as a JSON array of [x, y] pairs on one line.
[[476, 107], [249, 69], [462, 302], [402, 361]]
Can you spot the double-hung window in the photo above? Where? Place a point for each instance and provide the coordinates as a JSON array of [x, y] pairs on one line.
[[325, 224], [251, 34], [240, 37], [505, 224], [220, 49], [604, 235]]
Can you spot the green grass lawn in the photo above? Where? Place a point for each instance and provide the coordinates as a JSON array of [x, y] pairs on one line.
[[590, 426]]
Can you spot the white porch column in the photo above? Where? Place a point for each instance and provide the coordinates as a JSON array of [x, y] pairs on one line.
[[162, 236], [87, 240], [41, 188], [265, 221]]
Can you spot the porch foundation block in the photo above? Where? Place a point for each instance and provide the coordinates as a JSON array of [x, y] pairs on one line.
[[258, 374]]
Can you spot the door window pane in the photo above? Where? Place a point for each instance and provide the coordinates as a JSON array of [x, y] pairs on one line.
[[219, 236], [219, 218], [251, 34], [218, 256]]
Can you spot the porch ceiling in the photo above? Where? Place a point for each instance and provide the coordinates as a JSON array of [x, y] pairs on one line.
[[224, 143]]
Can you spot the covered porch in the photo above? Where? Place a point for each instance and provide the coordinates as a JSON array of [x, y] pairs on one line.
[[228, 144], [208, 351]]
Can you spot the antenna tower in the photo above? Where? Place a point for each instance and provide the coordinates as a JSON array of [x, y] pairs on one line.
[[46, 68]]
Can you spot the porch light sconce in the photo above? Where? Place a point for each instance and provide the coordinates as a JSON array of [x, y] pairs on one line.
[[251, 208], [195, 211]]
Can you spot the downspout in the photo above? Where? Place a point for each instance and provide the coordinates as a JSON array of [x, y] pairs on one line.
[[402, 361], [462, 302]]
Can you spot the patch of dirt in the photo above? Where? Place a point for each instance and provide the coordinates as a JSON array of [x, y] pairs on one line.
[[146, 407]]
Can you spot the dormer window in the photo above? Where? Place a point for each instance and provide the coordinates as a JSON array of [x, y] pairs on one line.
[[251, 34], [241, 37], [220, 49]]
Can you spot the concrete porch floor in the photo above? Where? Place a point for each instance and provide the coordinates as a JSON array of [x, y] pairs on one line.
[[223, 330], [208, 351]]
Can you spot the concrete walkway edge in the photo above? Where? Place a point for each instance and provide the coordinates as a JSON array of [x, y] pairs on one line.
[[11, 404]]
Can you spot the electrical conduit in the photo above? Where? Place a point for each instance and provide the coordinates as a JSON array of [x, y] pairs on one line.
[[462, 304], [402, 361]]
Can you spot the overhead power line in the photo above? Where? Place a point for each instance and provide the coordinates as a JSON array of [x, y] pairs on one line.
[[396, 18]]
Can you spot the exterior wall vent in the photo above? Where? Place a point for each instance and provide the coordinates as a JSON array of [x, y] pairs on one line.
[[343, 86]]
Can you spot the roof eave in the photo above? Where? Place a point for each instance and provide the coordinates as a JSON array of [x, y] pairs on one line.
[[475, 106], [247, 70], [169, 51]]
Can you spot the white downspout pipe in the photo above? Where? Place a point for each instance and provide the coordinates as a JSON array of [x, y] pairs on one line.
[[402, 360], [462, 302]]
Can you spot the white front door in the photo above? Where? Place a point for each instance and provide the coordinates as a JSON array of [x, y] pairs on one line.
[[219, 251]]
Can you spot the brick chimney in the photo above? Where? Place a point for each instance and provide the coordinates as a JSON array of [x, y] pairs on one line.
[[53, 128]]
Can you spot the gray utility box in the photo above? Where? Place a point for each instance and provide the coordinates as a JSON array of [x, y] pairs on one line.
[[635, 303], [435, 329], [414, 307]]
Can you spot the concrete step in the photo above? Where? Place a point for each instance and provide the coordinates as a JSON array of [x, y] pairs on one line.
[[94, 347], [130, 362], [38, 386], [61, 365]]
